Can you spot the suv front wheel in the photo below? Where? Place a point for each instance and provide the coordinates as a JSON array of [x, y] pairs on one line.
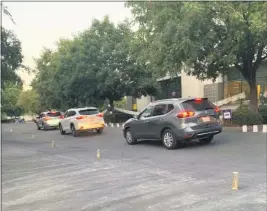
[[169, 140], [130, 139]]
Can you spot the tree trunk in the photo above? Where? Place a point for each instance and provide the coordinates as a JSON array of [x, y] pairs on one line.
[[111, 103], [253, 97]]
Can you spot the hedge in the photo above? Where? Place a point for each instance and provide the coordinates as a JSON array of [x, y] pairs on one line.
[[242, 116], [7, 121], [116, 117]]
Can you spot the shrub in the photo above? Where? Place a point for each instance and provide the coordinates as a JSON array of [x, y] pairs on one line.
[[263, 113], [242, 116], [7, 121], [117, 117]]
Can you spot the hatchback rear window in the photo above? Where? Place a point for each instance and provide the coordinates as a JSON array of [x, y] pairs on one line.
[[88, 112], [54, 114], [198, 105]]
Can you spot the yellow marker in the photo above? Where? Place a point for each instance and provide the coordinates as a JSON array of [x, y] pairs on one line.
[[235, 182], [98, 154], [53, 144]]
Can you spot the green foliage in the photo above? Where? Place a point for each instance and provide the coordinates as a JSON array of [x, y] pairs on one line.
[[10, 97], [99, 63], [11, 57], [29, 101], [120, 104], [242, 116], [205, 37], [263, 113]]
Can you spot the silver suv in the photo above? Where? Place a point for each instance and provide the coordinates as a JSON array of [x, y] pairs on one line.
[[175, 122]]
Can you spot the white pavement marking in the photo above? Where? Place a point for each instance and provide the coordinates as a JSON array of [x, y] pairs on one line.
[[118, 125], [244, 128]]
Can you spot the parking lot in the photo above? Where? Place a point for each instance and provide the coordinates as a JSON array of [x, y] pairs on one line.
[[146, 176]]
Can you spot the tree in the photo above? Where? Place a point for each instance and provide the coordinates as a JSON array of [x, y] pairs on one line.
[[112, 61], [10, 97], [29, 101], [11, 57], [205, 37], [97, 64]]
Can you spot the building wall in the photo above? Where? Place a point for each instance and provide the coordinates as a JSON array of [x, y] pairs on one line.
[[214, 91], [143, 102], [193, 87]]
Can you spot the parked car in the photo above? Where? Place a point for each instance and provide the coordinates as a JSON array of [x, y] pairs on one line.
[[48, 120], [77, 120], [175, 122]]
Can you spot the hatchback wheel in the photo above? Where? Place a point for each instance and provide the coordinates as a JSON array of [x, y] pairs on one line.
[[169, 140], [62, 132], [130, 139]]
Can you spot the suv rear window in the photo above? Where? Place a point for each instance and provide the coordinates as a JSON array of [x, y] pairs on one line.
[[198, 105], [53, 114], [88, 111]]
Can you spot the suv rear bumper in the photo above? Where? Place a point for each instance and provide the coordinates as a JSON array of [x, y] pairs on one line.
[[189, 134]]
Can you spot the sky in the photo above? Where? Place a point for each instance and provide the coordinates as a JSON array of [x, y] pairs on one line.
[[41, 24]]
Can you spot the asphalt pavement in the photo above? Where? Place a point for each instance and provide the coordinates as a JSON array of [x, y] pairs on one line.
[[145, 177]]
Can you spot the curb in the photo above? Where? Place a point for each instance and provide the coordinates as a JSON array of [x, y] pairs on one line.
[[118, 125], [255, 128]]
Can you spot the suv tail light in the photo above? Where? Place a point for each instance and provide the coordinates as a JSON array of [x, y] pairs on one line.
[[185, 114], [61, 117], [80, 117], [217, 110], [100, 115]]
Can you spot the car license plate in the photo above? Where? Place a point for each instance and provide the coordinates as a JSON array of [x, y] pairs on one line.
[[205, 119]]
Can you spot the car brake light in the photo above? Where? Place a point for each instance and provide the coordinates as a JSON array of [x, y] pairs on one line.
[[100, 115], [80, 117], [198, 100], [185, 114], [61, 117], [217, 110]]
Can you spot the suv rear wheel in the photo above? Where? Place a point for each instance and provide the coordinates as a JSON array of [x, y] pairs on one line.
[[206, 140], [62, 132], [130, 139], [169, 140], [99, 131], [73, 131]]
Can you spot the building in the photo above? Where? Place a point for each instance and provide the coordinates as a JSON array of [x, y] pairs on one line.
[[189, 86]]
